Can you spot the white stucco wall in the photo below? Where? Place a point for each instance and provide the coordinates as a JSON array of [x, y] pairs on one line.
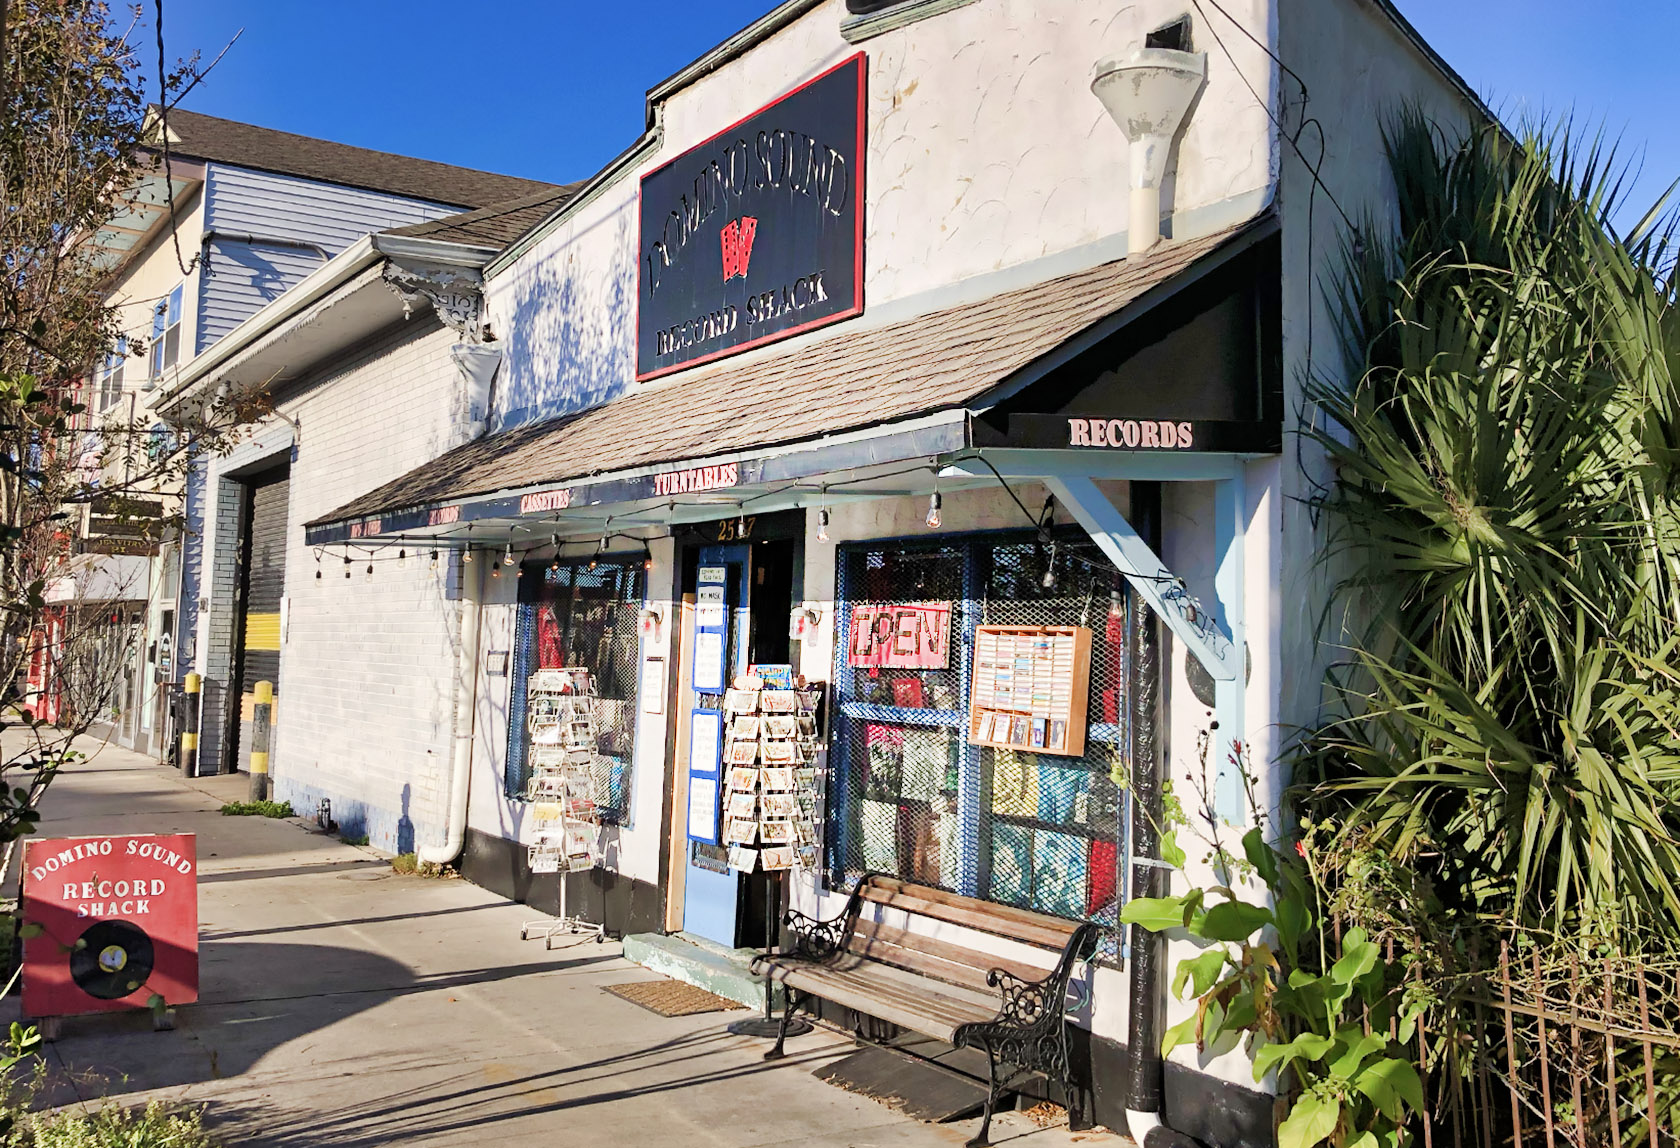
[[985, 151]]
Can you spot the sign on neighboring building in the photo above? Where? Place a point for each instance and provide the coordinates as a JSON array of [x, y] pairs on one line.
[[757, 233], [109, 922], [905, 636]]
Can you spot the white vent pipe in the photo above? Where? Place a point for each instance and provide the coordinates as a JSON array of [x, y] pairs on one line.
[[1148, 94]]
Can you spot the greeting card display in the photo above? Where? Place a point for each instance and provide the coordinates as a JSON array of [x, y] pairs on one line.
[[773, 795], [1029, 688], [564, 785]]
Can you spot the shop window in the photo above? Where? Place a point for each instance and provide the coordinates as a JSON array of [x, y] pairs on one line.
[[910, 797], [582, 614], [166, 333]]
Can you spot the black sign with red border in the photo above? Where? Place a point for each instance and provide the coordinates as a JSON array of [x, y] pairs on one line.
[[757, 233]]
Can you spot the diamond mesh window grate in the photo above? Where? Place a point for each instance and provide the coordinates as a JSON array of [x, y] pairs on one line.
[[911, 798], [577, 616]]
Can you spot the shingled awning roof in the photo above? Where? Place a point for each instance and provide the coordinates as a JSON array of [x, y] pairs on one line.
[[195, 136], [497, 225], [851, 379]]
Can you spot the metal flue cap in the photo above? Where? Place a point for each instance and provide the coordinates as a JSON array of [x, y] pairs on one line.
[[1148, 92]]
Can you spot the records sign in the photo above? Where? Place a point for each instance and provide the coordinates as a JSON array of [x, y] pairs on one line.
[[756, 234]]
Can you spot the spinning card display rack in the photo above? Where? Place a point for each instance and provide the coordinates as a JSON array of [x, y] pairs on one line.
[[562, 789], [771, 795]]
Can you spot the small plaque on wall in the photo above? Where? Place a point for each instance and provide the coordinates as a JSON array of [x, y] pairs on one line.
[[653, 686]]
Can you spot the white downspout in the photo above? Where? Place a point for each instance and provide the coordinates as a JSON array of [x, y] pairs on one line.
[[466, 710]]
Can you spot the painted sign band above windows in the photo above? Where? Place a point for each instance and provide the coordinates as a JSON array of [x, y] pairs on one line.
[[757, 233]]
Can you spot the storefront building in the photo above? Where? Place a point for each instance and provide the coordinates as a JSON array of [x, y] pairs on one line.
[[885, 374]]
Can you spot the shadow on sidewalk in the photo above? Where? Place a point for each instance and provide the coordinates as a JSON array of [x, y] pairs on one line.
[[255, 998], [468, 1101]]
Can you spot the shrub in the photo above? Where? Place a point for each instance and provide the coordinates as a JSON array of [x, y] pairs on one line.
[[258, 809]]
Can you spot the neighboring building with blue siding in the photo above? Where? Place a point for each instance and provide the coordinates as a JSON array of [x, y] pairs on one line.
[[265, 231], [234, 217]]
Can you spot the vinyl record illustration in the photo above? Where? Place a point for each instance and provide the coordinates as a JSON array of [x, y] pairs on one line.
[[113, 959]]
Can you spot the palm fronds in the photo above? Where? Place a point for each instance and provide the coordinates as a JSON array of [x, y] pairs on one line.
[[1506, 521]]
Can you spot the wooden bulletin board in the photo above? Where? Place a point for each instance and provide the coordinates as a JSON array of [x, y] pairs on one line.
[[1029, 688]]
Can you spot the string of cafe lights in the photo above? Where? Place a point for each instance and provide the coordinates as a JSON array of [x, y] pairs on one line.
[[1042, 524]]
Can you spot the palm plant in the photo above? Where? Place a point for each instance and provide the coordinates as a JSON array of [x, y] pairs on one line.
[[1506, 524]]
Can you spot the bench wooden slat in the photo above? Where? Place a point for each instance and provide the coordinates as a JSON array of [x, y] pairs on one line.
[[1000, 920], [935, 958], [911, 988], [863, 989]]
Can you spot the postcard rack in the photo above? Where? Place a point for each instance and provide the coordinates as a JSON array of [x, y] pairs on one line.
[[561, 717], [770, 812], [1029, 688]]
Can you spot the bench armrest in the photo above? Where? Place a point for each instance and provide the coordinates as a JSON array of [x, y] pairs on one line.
[[1030, 1004], [816, 940]]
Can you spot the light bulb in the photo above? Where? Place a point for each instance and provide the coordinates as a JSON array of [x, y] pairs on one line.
[[1049, 579], [347, 565], [433, 563], [555, 565], [822, 525], [495, 570], [317, 573], [369, 572], [402, 559], [507, 558], [934, 518], [466, 556]]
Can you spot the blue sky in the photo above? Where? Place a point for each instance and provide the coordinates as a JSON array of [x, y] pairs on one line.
[[552, 89]]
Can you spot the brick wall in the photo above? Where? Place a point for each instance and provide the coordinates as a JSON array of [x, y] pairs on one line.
[[366, 668]]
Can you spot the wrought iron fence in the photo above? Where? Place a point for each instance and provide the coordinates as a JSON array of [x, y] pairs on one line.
[[1555, 1047], [1543, 1044]]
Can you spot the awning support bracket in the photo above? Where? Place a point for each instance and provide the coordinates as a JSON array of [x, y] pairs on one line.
[[1218, 642]]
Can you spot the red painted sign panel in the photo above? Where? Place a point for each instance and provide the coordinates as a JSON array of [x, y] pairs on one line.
[[109, 922], [903, 636]]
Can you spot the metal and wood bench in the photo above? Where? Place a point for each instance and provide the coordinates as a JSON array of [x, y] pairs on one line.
[[1012, 1010]]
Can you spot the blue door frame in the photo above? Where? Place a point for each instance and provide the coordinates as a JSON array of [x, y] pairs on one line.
[[711, 899]]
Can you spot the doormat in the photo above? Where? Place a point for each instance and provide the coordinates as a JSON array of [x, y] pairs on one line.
[[672, 998]]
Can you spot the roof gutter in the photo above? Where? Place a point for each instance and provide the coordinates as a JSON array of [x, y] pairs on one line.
[[438, 251]]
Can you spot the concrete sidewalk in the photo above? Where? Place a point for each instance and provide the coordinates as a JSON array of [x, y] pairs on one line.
[[344, 1005]]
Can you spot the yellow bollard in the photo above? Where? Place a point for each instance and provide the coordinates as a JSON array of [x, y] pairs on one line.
[[262, 725], [193, 686]]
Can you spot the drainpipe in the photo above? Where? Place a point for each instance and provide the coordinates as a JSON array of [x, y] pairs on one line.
[[1148, 95], [466, 709], [1144, 1107], [248, 240]]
